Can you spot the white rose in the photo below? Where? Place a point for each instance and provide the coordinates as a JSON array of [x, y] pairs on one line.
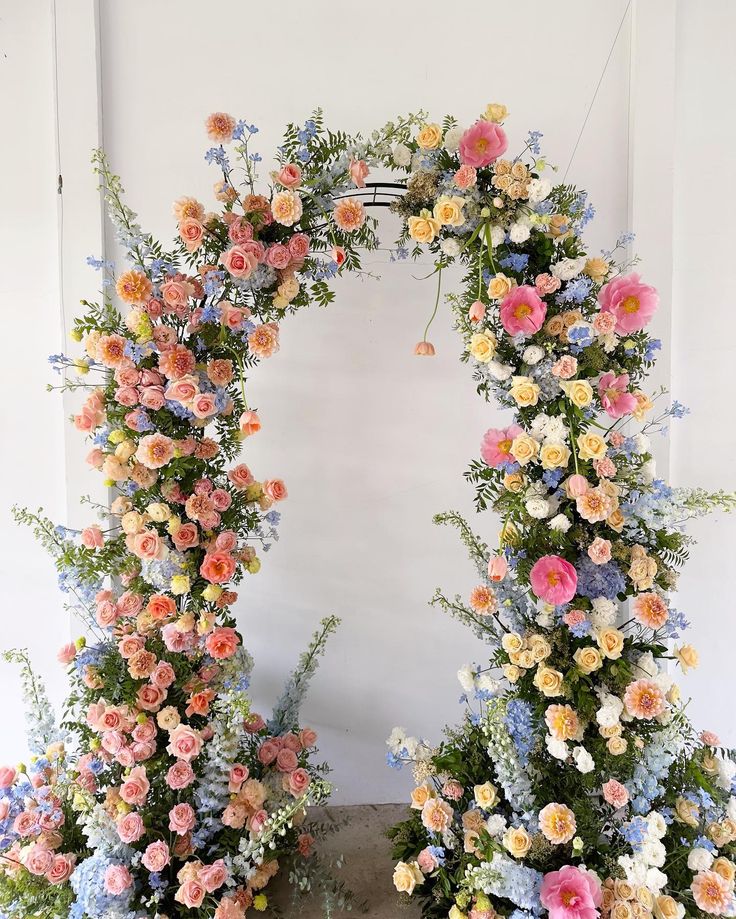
[[466, 678], [657, 825], [496, 825], [537, 508], [533, 354], [498, 235], [610, 711], [556, 748], [604, 613], [450, 247], [519, 233], [499, 371], [654, 853], [583, 760], [560, 524], [452, 138], [538, 190], [544, 618], [401, 155], [699, 859], [657, 880], [568, 268]]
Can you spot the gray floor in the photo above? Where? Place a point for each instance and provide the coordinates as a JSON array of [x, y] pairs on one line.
[[368, 864]]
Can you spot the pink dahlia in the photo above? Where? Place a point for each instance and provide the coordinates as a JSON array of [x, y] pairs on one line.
[[571, 893], [481, 144], [615, 397], [554, 580], [523, 311], [496, 444], [631, 302]]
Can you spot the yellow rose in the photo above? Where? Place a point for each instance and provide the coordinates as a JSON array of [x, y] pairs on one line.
[[420, 795], [621, 909], [596, 269], [423, 228], [125, 450], [496, 111], [725, 868], [616, 520], [180, 584], [513, 482], [643, 405], [512, 642], [548, 681], [486, 795], [622, 889], [449, 210], [718, 833], [616, 746], [673, 694], [579, 392], [517, 841], [687, 657], [613, 731], [407, 876], [642, 569], [511, 672], [591, 446], [588, 659], [429, 136], [559, 226], [482, 346], [132, 523], [524, 391], [524, 449], [611, 643], [525, 659], [499, 286], [665, 907], [540, 648], [168, 718], [554, 456], [687, 812]]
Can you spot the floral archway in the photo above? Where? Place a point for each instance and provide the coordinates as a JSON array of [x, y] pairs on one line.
[[162, 791]]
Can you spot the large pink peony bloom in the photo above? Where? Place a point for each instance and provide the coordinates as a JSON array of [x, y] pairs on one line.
[[571, 893], [631, 302], [554, 580], [481, 144], [496, 444], [614, 394], [523, 311]]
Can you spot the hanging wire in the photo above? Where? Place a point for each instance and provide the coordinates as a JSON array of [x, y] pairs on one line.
[[598, 86]]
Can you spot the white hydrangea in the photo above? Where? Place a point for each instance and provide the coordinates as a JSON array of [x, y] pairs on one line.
[[452, 138], [498, 235], [538, 189], [568, 268], [519, 232], [545, 617], [583, 760], [533, 354], [466, 678], [604, 613], [560, 523], [499, 371], [537, 507], [699, 859], [450, 247], [401, 155]]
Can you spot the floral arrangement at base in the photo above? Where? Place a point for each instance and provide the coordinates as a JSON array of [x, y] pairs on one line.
[[161, 792], [575, 786]]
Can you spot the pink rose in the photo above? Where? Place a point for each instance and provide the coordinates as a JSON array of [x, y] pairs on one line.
[[126, 395], [217, 567], [129, 604], [238, 774], [286, 760], [203, 405], [117, 879], [191, 232], [298, 782], [226, 541], [307, 738], [304, 844], [278, 256], [291, 742], [150, 698], [181, 819], [222, 642], [191, 894], [257, 821], [130, 645], [299, 246], [240, 231], [61, 869], [239, 262], [267, 752], [38, 859], [66, 653], [176, 294], [145, 732], [180, 775], [92, 537], [184, 743], [522, 311], [153, 397], [130, 827], [213, 876], [241, 476], [359, 171], [147, 545], [182, 390], [290, 176], [275, 489], [186, 536], [25, 824], [156, 857], [554, 580], [106, 614], [7, 776], [482, 143], [253, 723], [221, 499], [163, 676], [135, 788]]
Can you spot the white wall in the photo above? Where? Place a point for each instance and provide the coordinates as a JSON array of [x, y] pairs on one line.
[[370, 440]]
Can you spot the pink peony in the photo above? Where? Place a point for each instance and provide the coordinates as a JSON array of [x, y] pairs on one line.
[[522, 311], [130, 827], [496, 444], [553, 580], [180, 775], [615, 794], [631, 302], [117, 879], [571, 893], [156, 857], [181, 819], [615, 398], [482, 143]]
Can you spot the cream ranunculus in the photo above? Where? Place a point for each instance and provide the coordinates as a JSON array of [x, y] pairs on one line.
[[429, 136], [554, 456], [407, 876], [424, 228], [524, 449], [482, 346], [611, 643], [548, 681], [588, 659], [524, 391], [496, 111], [449, 210], [591, 446], [517, 841], [579, 392], [486, 795]]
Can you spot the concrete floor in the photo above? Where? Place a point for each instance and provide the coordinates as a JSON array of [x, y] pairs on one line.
[[368, 864]]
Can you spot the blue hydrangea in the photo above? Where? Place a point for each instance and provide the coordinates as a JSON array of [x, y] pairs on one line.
[[599, 580]]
